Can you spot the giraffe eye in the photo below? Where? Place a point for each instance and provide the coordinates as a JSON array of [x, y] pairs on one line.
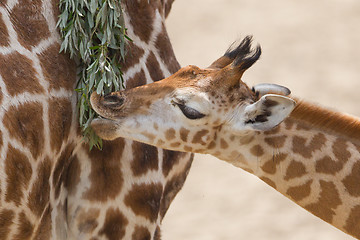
[[190, 112]]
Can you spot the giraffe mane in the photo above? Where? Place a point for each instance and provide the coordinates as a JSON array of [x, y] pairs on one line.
[[326, 119]]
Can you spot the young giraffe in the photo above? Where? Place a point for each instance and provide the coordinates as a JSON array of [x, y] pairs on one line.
[[51, 186], [312, 157]]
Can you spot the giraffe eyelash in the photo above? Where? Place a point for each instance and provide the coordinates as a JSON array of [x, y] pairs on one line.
[[189, 112]]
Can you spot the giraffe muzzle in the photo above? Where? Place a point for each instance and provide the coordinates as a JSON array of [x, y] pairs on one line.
[[109, 105]]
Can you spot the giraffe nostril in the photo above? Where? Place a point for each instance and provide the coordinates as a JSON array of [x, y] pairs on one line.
[[113, 100]]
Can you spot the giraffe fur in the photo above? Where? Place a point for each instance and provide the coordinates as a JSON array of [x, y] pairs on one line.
[[51, 186], [309, 154]]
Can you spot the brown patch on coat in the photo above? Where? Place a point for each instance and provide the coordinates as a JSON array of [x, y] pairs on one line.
[[188, 149], [352, 225], [271, 165], [295, 169], [340, 150], [141, 233], [330, 166], [88, 220], [106, 177], [18, 74], [40, 192], [157, 235], [160, 142], [246, 140], [175, 145], [184, 133], [166, 52], [56, 10], [44, 227], [141, 15], [1, 95], [133, 55], [223, 144], [145, 158], [275, 142], [211, 145], [29, 23], [198, 137], [1, 143], [58, 69], [288, 123], [257, 151], [150, 136], [302, 127], [114, 225], [25, 229], [269, 182], [6, 221], [170, 159], [60, 170], [18, 171], [138, 80], [275, 130], [351, 182], [167, 6], [60, 113], [25, 123], [328, 201], [173, 186], [154, 68], [144, 200], [300, 192], [4, 35], [170, 134], [306, 150], [73, 175]]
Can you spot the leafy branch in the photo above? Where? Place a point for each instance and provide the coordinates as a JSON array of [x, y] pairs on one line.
[[94, 34]]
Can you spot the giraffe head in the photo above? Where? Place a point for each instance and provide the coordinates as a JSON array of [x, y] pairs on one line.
[[195, 109]]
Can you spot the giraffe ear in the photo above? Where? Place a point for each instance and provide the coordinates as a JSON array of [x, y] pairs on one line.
[[268, 112]]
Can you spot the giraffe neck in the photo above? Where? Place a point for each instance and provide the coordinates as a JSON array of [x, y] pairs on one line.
[[128, 184], [51, 186], [313, 159]]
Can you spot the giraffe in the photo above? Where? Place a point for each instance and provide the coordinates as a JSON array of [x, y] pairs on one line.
[[51, 186], [306, 152]]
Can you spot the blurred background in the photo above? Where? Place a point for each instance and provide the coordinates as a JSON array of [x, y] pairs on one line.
[[312, 47]]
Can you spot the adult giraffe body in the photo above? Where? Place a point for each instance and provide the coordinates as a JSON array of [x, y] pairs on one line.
[[312, 157], [51, 186]]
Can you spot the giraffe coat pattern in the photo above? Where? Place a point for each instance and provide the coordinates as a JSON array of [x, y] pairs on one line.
[[51, 186], [311, 157]]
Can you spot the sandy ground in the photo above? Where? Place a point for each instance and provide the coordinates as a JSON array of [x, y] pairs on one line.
[[312, 47]]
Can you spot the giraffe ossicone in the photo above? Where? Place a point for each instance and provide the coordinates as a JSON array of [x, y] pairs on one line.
[[308, 153]]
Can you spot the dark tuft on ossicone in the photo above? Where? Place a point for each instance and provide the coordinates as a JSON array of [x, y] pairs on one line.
[[243, 54]]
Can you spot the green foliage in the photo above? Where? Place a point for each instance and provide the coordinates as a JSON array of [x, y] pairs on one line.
[[93, 33]]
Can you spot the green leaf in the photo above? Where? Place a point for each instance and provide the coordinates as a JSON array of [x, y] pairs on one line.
[[93, 6], [90, 20], [89, 29], [99, 89], [91, 82]]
